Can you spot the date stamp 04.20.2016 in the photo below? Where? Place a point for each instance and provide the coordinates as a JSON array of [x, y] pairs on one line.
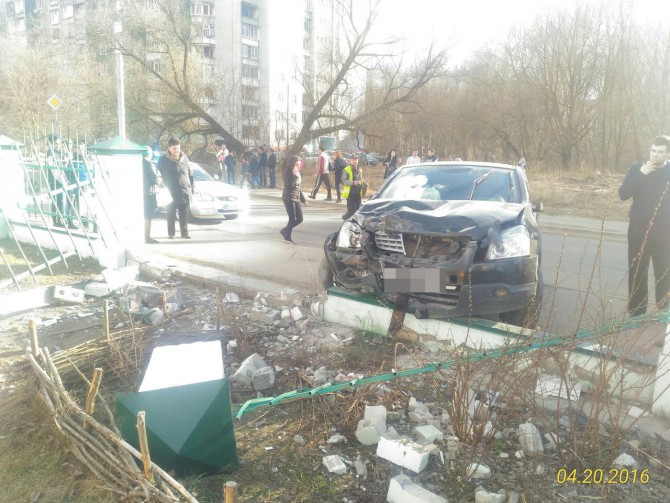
[[599, 476]]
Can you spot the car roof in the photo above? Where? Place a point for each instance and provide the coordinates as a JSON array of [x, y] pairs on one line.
[[465, 163]]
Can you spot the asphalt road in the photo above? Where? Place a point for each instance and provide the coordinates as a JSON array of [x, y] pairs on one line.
[[584, 279]]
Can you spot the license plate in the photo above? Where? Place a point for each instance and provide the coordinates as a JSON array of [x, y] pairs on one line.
[[405, 280]]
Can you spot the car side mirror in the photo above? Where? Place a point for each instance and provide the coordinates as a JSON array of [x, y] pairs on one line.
[[539, 208], [216, 177]]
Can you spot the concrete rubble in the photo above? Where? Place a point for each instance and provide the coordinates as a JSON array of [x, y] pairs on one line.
[[403, 490]]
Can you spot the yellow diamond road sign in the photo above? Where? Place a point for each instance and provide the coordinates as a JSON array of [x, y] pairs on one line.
[[54, 102]]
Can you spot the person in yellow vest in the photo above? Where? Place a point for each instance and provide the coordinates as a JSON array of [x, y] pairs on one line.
[[353, 186]]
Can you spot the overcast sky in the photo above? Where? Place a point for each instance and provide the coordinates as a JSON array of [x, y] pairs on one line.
[[469, 24]]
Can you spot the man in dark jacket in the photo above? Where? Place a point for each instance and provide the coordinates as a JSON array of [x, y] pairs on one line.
[[649, 185], [272, 164], [254, 170], [262, 165], [175, 169]]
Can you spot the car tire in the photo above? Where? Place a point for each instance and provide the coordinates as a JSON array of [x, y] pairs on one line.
[[528, 315]]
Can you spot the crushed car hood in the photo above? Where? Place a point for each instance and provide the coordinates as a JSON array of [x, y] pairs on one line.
[[472, 218]]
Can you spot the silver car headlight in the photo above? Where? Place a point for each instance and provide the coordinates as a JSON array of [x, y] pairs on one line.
[[514, 242], [349, 235]]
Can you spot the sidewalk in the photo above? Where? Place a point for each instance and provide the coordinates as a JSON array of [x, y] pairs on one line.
[[555, 223]]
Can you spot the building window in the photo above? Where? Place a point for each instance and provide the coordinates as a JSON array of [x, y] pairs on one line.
[[55, 17], [21, 25], [68, 11], [11, 25], [249, 93], [250, 11], [40, 4], [249, 112], [153, 5], [250, 132], [250, 72], [308, 25], [200, 9], [208, 52], [154, 46], [155, 66], [104, 69], [249, 31], [208, 31], [249, 51]]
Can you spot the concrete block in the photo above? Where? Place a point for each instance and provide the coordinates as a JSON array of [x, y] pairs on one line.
[[285, 315], [296, 313], [118, 278], [361, 467], [403, 490], [334, 464], [69, 294], [367, 433], [477, 471], [625, 460], [263, 378], [530, 438], [557, 387], [376, 414], [97, 289], [247, 368], [483, 496], [428, 433], [155, 316], [403, 452], [231, 298]]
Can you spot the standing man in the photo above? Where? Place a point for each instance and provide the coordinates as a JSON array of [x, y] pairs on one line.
[[177, 176], [221, 158], [414, 158], [230, 167], [262, 165], [352, 186], [431, 157], [649, 229], [151, 180], [322, 174], [272, 165]]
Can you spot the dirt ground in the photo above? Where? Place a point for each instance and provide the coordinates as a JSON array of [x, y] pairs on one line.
[[281, 449]]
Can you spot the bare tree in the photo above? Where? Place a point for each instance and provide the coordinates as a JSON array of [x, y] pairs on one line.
[[338, 105]]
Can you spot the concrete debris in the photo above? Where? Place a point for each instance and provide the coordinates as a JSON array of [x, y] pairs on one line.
[[403, 452], [69, 294], [519, 455], [296, 314], [244, 374], [264, 314], [625, 460], [478, 471], [231, 346], [637, 412], [558, 387], [361, 467], [299, 440], [334, 464], [483, 496], [316, 308], [530, 438], [263, 378], [120, 278], [231, 298], [504, 455], [403, 490], [336, 439], [155, 316], [97, 289], [372, 425], [552, 441], [428, 433]]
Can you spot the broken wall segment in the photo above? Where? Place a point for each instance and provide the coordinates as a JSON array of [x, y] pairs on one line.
[[403, 490]]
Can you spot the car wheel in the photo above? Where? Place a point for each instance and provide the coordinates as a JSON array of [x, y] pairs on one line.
[[528, 315]]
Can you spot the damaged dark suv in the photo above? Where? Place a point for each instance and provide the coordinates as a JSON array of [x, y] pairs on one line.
[[449, 239]]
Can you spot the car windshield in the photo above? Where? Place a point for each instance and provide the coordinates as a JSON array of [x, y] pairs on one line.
[[199, 175], [453, 183]]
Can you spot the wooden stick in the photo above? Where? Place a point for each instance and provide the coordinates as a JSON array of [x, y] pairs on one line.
[[34, 347], [218, 308], [164, 302], [144, 445], [92, 393], [105, 326], [229, 491]]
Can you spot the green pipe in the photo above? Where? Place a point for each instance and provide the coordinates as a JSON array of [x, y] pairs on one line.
[[637, 322]]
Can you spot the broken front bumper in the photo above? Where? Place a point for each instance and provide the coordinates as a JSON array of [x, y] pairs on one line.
[[437, 288]]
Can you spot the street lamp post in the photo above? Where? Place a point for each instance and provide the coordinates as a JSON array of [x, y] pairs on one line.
[[120, 91]]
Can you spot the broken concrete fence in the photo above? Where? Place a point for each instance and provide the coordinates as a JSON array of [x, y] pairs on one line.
[[403, 490]]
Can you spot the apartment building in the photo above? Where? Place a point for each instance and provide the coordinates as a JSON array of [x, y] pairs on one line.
[[267, 59]]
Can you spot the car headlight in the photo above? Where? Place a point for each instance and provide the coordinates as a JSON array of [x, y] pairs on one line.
[[203, 196], [514, 242], [349, 235]]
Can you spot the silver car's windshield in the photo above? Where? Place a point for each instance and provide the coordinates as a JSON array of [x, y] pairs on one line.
[[452, 183]]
